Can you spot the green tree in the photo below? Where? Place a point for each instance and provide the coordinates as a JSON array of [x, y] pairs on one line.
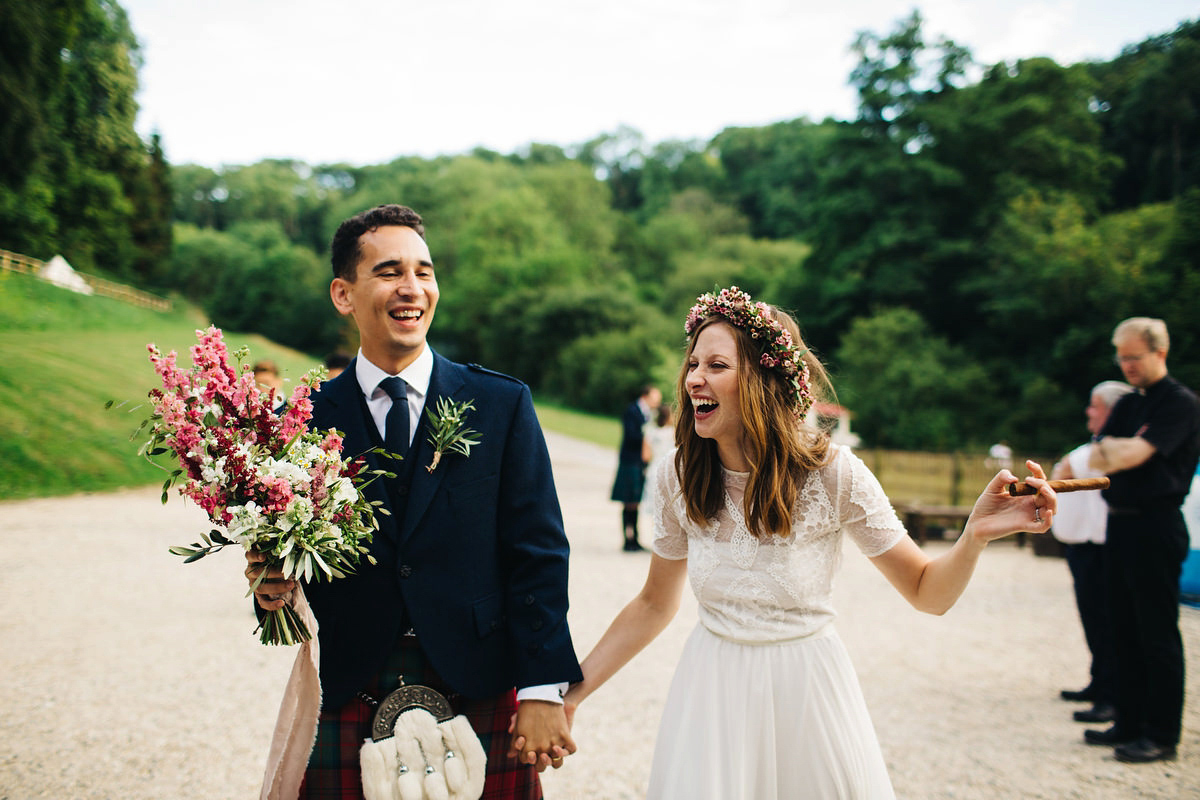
[[198, 196], [199, 257], [32, 70], [881, 236], [77, 179], [896, 74], [674, 167], [1176, 285], [1056, 283], [1148, 102], [617, 158], [99, 156], [908, 387], [150, 192], [283, 191], [1025, 126], [534, 325], [280, 290], [601, 371], [773, 172]]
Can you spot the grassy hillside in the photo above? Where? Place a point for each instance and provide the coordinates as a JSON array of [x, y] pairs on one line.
[[65, 355]]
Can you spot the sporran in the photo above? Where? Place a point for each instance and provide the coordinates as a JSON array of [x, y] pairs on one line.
[[419, 750]]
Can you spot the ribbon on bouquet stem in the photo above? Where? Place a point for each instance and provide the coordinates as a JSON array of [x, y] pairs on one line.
[[296, 725]]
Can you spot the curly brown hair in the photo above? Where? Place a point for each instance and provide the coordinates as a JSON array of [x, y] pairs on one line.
[[345, 250]]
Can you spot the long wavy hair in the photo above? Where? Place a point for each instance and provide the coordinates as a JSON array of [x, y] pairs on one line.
[[781, 450]]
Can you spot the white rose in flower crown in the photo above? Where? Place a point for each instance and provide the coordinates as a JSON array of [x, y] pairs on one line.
[[298, 512]]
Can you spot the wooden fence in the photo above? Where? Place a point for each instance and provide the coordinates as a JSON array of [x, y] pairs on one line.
[[936, 479], [15, 262]]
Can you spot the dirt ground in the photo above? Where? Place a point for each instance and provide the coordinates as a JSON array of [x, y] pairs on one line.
[[128, 675]]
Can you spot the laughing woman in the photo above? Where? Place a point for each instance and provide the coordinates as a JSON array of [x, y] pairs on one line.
[[752, 508]]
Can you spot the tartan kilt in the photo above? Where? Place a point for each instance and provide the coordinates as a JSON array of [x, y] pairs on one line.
[[333, 770], [630, 483]]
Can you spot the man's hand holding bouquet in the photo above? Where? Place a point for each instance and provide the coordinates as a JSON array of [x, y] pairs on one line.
[[278, 489]]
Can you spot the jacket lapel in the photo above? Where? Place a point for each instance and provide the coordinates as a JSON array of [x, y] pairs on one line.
[[446, 381]]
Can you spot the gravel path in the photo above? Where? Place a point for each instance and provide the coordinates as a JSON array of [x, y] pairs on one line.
[[128, 675]]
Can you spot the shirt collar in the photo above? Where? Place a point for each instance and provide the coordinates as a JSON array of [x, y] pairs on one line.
[[417, 374]]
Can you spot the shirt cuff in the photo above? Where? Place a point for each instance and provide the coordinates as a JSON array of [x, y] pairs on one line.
[[550, 693]]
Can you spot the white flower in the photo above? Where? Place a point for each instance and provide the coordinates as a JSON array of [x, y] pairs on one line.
[[299, 512], [292, 473], [245, 519], [306, 454], [214, 472], [342, 491], [324, 528]]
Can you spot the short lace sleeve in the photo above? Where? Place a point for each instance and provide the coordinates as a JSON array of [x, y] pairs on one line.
[[864, 510], [670, 538]]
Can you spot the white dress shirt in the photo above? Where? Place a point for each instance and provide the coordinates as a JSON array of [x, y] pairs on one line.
[[416, 377], [1081, 516]]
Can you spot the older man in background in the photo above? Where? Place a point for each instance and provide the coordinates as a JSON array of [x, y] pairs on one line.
[[1149, 447]]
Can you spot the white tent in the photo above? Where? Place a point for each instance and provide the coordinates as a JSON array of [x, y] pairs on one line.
[[60, 273]]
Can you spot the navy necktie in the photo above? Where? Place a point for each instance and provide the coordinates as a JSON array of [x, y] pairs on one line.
[[395, 438]]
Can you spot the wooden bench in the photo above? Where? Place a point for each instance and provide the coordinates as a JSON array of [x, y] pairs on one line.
[[917, 516]]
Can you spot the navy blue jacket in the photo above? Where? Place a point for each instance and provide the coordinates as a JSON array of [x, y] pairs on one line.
[[473, 557], [632, 434]]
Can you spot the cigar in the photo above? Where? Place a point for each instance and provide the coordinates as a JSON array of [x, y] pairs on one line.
[[1073, 485]]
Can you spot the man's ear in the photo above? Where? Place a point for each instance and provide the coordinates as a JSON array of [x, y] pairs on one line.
[[339, 293]]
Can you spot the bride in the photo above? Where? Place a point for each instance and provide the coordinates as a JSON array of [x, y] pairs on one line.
[[752, 509]]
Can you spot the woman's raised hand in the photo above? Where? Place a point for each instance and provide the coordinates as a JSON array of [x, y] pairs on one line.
[[997, 513]]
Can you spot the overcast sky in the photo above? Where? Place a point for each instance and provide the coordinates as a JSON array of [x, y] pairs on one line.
[[366, 81]]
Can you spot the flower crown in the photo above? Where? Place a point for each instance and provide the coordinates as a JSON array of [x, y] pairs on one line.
[[779, 351]]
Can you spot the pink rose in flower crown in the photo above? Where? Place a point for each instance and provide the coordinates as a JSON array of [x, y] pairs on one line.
[[275, 486]]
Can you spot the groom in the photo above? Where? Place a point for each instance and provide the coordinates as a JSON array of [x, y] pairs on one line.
[[469, 592]]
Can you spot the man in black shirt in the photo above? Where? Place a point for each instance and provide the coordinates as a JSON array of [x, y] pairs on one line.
[[1149, 447]]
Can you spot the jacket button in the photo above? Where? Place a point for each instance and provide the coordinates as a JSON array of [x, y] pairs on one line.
[[529, 600], [495, 624], [533, 649], [405, 571], [402, 490], [537, 625]]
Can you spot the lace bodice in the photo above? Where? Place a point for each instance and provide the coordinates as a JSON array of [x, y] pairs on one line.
[[774, 588]]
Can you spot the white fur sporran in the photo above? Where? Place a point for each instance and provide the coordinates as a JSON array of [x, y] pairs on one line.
[[419, 750]]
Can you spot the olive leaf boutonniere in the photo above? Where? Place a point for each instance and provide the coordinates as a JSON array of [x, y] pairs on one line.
[[448, 430]]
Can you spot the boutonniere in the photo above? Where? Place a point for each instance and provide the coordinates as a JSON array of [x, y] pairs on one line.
[[448, 430]]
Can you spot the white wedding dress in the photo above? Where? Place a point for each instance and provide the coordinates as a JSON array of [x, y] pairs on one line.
[[765, 702]]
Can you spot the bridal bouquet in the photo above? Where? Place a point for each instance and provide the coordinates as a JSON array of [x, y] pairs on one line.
[[273, 485]]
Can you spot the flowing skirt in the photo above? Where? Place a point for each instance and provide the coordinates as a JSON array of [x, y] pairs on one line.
[[760, 721]]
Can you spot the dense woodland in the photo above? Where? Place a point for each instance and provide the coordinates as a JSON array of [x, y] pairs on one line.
[[958, 253]]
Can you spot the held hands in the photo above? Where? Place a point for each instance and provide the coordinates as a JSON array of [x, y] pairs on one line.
[[997, 514], [542, 733], [272, 592]]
